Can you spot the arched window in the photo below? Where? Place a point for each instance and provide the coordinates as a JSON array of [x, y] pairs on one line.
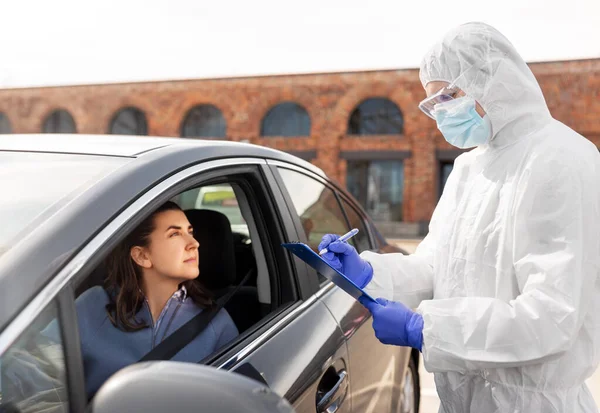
[[376, 116], [129, 121], [4, 124], [286, 119], [59, 121], [204, 121]]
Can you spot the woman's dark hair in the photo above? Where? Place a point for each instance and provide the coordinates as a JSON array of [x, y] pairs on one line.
[[124, 278]]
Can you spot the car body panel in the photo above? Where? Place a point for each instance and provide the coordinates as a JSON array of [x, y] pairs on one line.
[[293, 361], [375, 369]]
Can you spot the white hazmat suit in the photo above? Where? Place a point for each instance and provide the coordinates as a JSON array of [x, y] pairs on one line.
[[507, 280]]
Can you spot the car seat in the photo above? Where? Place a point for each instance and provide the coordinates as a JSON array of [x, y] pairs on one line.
[[217, 264]]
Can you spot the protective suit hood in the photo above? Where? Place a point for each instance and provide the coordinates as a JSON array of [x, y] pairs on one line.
[[486, 66]]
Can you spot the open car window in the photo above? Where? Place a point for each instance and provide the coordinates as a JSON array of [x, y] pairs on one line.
[[220, 198], [235, 223]]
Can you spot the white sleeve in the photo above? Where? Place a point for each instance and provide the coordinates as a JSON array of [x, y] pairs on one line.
[[404, 278], [410, 278], [555, 255], [407, 278]]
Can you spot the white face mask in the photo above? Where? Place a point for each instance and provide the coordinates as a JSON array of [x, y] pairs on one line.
[[460, 123]]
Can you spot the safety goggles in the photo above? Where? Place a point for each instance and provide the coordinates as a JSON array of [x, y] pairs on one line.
[[445, 94]]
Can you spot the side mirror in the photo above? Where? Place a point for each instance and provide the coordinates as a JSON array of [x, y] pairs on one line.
[[168, 386]]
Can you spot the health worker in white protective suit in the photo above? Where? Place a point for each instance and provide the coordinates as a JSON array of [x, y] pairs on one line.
[[507, 280]]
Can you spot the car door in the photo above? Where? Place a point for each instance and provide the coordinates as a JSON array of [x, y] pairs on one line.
[[297, 349], [301, 354], [376, 371]]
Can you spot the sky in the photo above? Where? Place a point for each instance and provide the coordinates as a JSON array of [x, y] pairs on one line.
[[66, 42]]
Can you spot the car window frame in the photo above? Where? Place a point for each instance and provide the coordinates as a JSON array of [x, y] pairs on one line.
[[212, 177], [63, 285]]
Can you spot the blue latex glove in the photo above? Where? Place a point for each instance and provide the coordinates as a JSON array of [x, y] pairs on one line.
[[395, 323], [344, 258]]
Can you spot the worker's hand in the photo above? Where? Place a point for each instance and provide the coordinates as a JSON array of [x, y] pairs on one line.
[[394, 323], [344, 258]]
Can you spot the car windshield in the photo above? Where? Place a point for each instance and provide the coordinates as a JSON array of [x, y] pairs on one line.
[[33, 186]]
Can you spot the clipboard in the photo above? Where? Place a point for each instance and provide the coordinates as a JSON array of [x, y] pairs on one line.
[[306, 254]]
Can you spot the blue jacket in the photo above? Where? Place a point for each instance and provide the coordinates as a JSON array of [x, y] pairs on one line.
[[107, 349], [28, 372]]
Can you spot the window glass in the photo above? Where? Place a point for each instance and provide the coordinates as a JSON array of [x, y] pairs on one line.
[[33, 370], [204, 121], [59, 121], [445, 169], [361, 240], [316, 205], [376, 116], [378, 186], [219, 198], [129, 121], [5, 124], [57, 179], [286, 119]]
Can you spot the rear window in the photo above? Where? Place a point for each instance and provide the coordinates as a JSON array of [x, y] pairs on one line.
[[219, 198], [33, 186]]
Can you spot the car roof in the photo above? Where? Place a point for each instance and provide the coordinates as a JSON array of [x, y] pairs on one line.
[[132, 146], [109, 145]]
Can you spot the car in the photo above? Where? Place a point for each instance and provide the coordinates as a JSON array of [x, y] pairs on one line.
[[69, 199]]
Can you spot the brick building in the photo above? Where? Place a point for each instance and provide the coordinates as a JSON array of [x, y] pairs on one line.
[[363, 128]]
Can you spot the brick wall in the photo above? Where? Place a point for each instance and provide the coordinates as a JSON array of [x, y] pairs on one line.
[[572, 90]]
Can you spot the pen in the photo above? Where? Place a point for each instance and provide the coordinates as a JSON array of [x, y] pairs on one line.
[[343, 238]]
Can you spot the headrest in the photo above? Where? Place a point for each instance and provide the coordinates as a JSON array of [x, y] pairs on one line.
[[216, 252]]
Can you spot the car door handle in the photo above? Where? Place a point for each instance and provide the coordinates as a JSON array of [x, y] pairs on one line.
[[331, 401]]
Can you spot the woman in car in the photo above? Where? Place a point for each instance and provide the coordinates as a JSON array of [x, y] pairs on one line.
[[151, 290]]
